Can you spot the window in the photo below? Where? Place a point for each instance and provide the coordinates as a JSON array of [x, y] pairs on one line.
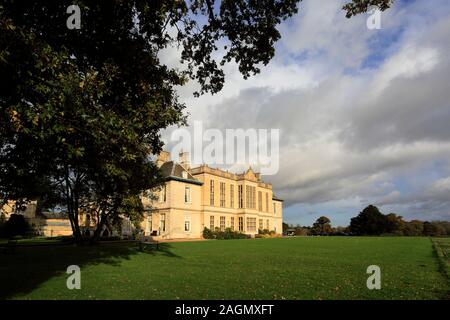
[[260, 224], [274, 208], [253, 192], [211, 193], [163, 222], [250, 193], [247, 197], [149, 225], [222, 223], [259, 201], [184, 175], [267, 224], [232, 223], [222, 194], [241, 224], [251, 224], [187, 223], [187, 194], [267, 202], [231, 196], [211, 222], [162, 194], [240, 196]]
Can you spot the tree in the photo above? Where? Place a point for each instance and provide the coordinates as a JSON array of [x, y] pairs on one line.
[[395, 224], [369, 222], [81, 110], [16, 225], [446, 226], [433, 229], [413, 228], [360, 6], [302, 231], [322, 225]]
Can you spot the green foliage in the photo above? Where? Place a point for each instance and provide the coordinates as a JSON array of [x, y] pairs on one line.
[[395, 224], [360, 6], [132, 208], [222, 235], [413, 228], [433, 229], [300, 231], [16, 225], [322, 226], [372, 222], [2, 223], [207, 234], [81, 110], [369, 222]]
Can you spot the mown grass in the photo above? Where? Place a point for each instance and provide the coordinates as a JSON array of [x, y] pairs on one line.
[[35, 240], [442, 248], [283, 268]]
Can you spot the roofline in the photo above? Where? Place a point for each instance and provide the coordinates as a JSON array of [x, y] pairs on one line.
[[277, 199], [184, 180]]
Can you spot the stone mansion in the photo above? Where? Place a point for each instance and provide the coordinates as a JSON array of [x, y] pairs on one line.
[[190, 200], [195, 198]]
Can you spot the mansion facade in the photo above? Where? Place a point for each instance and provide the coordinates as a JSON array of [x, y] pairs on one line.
[[190, 200], [203, 197]]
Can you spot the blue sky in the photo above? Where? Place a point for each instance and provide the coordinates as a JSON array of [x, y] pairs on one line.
[[363, 114]]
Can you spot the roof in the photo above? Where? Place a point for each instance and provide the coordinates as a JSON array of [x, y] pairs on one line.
[[174, 171], [274, 197]]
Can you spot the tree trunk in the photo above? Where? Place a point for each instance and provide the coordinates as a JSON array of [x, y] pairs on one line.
[[95, 239], [72, 210]]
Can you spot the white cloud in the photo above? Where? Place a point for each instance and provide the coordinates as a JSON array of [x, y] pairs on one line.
[[348, 131]]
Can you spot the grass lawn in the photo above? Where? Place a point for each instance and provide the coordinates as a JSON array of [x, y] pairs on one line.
[[35, 240], [442, 247], [283, 268]]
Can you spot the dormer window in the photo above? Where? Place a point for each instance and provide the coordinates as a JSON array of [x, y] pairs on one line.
[[184, 175]]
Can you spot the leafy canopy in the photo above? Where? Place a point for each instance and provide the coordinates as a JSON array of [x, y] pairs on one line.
[[82, 109]]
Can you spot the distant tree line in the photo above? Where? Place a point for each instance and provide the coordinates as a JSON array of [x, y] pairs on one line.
[[371, 221]]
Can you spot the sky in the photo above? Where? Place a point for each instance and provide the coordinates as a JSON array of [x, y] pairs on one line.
[[364, 115]]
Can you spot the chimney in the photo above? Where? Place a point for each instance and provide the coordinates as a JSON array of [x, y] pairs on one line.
[[163, 157], [184, 160]]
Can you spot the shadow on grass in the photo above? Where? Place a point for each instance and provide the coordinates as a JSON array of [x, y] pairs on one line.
[[28, 267]]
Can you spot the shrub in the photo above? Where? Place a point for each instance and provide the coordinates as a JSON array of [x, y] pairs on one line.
[[16, 225], [222, 235], [2, 223], [207, 234], [266, 233]]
